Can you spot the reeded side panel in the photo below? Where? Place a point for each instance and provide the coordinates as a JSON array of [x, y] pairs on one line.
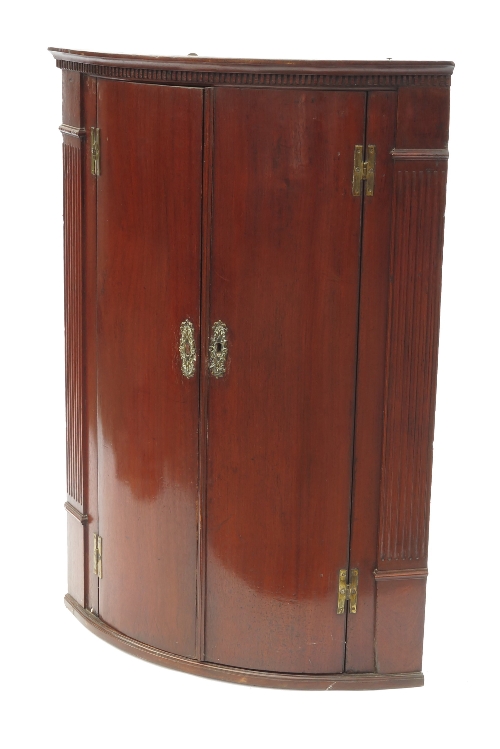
[[73, 318], [419, 200]]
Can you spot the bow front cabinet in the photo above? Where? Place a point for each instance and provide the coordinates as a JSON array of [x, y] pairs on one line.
[[252, 259]]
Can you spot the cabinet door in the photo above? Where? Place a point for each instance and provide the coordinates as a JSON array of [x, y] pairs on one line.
[[148, 282], [285, 281]]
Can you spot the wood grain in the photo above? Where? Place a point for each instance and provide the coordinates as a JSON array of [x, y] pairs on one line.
[[80, 516], [89, 119], [400, 624], [374, 289], [423, 118], [148, 282], [419, 199], [227, 506], [420, 154], [76, 558], [414, 574], [284, 270], [74, 306], [73, 317], [72, 98], [322, 682], [208, 143], [201, 71]]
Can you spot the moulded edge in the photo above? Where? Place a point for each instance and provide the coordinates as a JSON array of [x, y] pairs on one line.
[[80, 516], [259, 65], [325, 682]]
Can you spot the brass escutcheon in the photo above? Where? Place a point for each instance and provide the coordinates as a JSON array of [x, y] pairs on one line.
[[217, 350], [187, 349]]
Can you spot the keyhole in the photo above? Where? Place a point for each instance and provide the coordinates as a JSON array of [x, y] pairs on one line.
[[219, 347]]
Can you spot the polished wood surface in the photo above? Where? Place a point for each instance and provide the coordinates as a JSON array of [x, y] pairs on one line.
[[284, 278], [246, 677], [370, 380], [227, 506], [400, 620], [423, 117], [415, 272], [208, 144], [148, 282], [74, 303], [115, 65], [88, 120]]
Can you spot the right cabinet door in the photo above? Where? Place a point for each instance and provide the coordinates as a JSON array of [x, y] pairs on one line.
[[285, 266]]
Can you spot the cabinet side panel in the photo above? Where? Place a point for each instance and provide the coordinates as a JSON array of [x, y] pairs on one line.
[[377, 225], [73, 319], [412, 346], [423, 116], [89, 119], [71, 98], [419, 200], [76, 555], [400, 625], [73, 331], [411, 368]]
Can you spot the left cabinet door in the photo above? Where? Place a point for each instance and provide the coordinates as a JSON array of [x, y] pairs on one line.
[[148, 283]]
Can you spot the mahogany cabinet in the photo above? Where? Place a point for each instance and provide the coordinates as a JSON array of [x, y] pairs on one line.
[[252, 281]]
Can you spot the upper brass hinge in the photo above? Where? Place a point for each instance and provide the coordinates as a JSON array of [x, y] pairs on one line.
[[348, 591], [363, 170], [95, 151], [97, 555]]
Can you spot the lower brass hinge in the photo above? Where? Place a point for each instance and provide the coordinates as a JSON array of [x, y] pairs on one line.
[[95, 152], [363, 170], [348, 591], [97, 555]]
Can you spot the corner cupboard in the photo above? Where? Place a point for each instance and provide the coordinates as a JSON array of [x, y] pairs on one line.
[[252, 281]]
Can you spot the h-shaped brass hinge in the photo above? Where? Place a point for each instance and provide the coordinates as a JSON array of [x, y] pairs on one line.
[[97, 555], [363, 170], [95, 152], [348, 591]]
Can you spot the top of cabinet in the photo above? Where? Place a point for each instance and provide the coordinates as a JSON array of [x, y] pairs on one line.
[[211, 71]]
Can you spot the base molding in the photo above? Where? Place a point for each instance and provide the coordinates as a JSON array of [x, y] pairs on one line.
[[326, 682]]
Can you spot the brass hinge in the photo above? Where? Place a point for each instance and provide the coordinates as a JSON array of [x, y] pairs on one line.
[[363, 170], [95, 151], [348, 591], [97, 555]]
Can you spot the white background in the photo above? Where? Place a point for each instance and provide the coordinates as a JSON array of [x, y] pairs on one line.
[[60, 684]]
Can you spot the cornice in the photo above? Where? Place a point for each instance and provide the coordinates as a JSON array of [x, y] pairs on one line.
[[202, 71]]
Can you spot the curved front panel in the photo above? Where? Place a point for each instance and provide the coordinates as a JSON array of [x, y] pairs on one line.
[[285, 280], [148, 258]]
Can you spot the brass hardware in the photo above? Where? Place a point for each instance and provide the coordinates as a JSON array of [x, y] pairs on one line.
[[95, 151], [363, 170], [97, 555], [187, 349], [217, 349], [348, 591]]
